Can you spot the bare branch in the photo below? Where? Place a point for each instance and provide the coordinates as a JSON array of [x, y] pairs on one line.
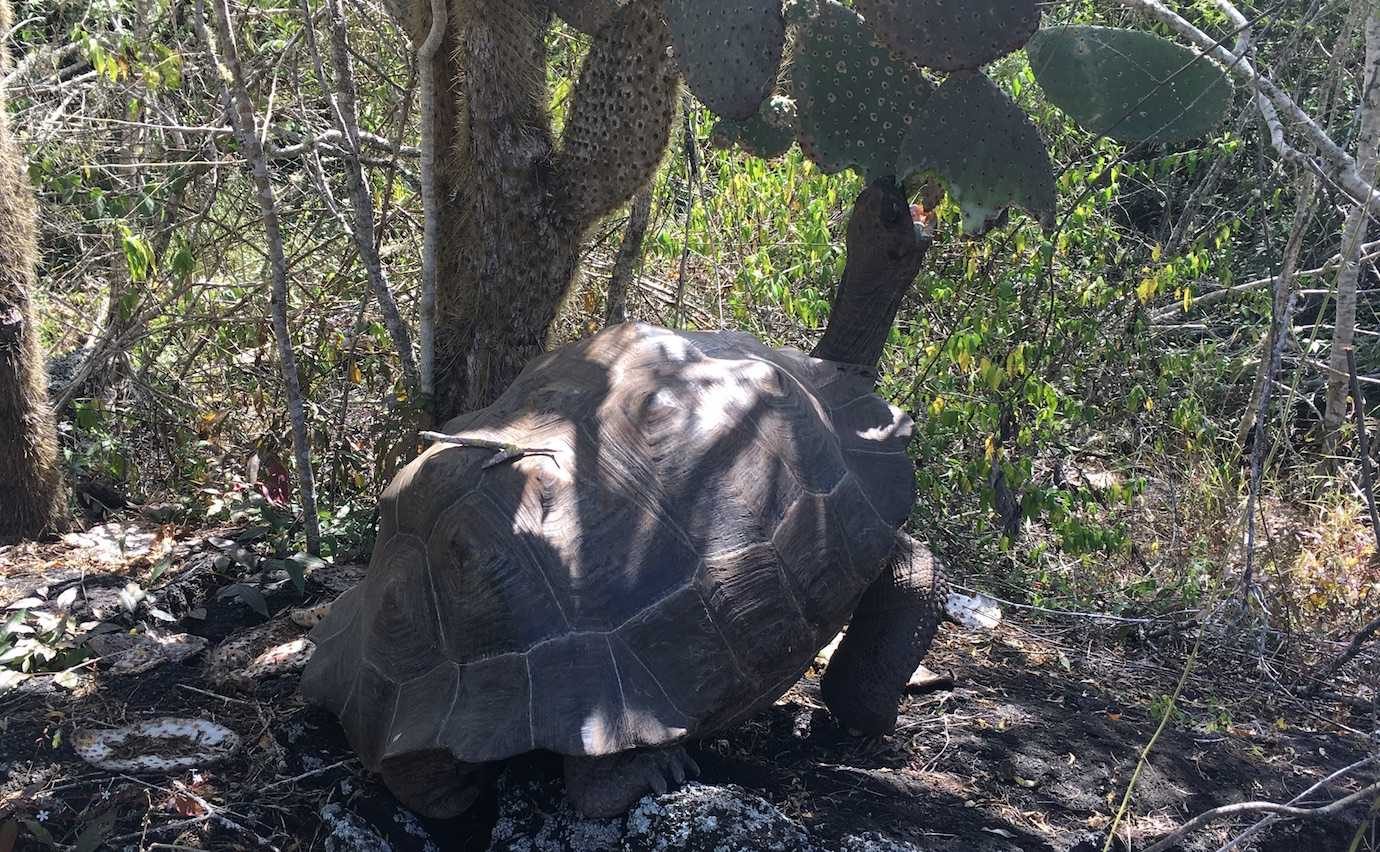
[[343, 106], [1241, 808], [431, 238], [1335, 163], [242, 113]]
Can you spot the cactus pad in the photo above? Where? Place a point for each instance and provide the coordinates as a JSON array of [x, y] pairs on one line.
[[952, 35], [1132, 86], [857, 99], [620, 116], [587, 16], [985, 149], [729, 50], [767, 134]]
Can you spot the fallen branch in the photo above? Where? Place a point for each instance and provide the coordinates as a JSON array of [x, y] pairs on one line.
[[1271, 819], [1241, 808], [1347, 655]]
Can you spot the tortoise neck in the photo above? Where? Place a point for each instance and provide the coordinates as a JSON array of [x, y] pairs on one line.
[[885, 249]]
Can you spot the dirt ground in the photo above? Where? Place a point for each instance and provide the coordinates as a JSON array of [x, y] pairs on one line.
[[1031, 749]]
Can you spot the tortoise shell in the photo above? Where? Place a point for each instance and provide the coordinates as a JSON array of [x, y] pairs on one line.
[[712, 514]]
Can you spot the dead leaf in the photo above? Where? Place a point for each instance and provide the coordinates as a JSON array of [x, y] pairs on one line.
[[95, 832]]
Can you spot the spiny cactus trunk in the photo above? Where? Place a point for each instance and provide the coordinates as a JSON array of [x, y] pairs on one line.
[[30, 479], [515, 202], [503, 267], [886, 246]]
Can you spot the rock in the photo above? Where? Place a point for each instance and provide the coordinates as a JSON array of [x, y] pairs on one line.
[[872, 841], [349, 833], [164, 745], [535, 816], [705, 818], [128, 653]]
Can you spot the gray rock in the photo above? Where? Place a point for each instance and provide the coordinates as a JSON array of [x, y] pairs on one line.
[[871, 841], [534, 816], [349, 833], [704, 818]]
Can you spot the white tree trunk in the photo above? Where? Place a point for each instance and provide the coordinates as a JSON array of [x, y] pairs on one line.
[[1354, 232], [426, 319]]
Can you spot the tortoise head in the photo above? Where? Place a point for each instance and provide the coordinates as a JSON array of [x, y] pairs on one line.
[[887, 241]]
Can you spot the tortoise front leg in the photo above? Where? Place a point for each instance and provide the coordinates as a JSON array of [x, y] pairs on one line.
[[891, 630]]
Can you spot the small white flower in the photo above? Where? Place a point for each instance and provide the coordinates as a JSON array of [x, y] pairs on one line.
[[41, 816]]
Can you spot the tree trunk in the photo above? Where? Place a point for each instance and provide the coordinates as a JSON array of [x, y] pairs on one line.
[[31, 497], [1354, 234], [1280, 307], [515, 202], [629, 254], [886, 246]]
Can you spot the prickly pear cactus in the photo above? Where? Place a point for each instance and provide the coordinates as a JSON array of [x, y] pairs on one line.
[[984, 148], [952, 35], [767, 134], [587, 16], [857, 99], [730, 50], [1132, 86], [620, 119]]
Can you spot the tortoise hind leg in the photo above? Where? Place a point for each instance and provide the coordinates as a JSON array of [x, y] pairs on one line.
[[433, 783], [607, 786], [891, 630]]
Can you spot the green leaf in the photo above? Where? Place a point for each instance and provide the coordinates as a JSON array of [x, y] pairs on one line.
[[246, 594], [986, 150], [1132, 86], [952, 35], [297, 566]]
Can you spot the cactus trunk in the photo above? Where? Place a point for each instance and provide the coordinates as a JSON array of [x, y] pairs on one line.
[[514, 202], [31, 496], [503, 269]]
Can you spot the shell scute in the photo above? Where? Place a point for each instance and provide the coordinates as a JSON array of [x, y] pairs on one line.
[[584, 721], [678, 641], [491, 716]]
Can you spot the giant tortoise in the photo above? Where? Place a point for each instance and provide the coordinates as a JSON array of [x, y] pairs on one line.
[[647, 538]]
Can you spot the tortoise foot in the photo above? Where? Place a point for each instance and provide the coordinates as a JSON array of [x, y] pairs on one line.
[[607, 786], [434, 784]]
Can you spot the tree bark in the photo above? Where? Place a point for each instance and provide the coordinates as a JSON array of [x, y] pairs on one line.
[[1280, 308], [886, 246], [246, 125], [1354, 234], [629, 253], [31, 495], [514, 201]]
